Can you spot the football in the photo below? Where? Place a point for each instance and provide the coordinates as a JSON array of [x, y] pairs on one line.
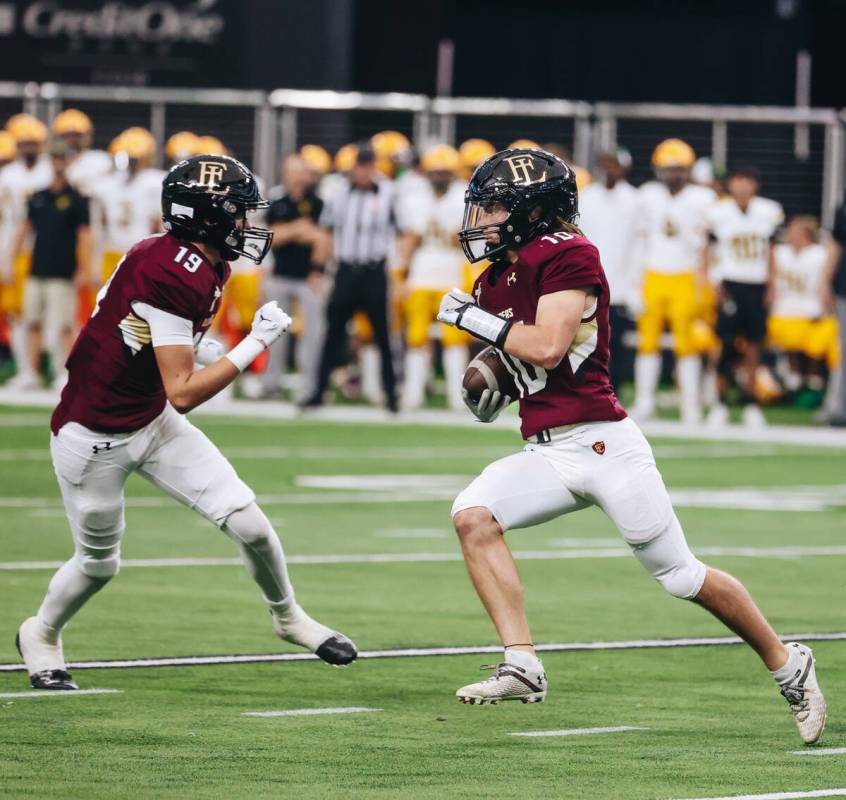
[[488, 371]]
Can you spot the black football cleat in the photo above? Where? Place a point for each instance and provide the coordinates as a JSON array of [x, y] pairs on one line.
[[337, 650], [43, 657], [54, 680]]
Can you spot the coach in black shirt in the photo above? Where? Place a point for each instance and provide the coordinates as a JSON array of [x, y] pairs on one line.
[[58, 218], [361, 217], [300, 250]]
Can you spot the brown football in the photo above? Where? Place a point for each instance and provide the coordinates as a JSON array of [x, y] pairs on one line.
[[487, 371]]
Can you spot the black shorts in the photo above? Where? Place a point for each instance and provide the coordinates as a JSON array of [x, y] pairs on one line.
[[742, 313]]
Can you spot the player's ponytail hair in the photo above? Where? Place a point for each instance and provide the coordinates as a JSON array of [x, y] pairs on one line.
[[566, 226]]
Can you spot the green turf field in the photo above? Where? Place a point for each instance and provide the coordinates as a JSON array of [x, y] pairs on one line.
[[376, 498]]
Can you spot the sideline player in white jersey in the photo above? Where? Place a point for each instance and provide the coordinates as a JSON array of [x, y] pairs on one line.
[[128, 200], [741, 230], [29, 173], [799, 322], [581, 449], [87, 166], [608, 214], [672, 228], [132, 377], [434, 263]]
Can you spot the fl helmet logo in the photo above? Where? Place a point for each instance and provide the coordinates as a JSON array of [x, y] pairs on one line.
[[523, 169], [211, 173]]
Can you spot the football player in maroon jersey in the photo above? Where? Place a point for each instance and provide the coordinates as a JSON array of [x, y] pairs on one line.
[[544, 302], [131, 380]]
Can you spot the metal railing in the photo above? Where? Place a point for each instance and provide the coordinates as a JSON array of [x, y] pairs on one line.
[[801, 151]]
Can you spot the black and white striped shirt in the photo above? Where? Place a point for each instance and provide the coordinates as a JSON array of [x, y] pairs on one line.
[[363, 222]]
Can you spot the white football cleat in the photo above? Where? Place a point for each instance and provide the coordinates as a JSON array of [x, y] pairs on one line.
[[718, 416], [803, 694], [753, 417], [297, 627], [509, 682], [44, 659]]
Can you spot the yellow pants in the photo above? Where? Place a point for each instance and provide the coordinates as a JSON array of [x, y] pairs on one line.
[[241, 299], [12, 294], [816, 338], [422, 309], [669, 300], [108, 263]]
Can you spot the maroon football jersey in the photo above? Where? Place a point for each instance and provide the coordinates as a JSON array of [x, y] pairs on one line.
[[114, 385], [579, 388]]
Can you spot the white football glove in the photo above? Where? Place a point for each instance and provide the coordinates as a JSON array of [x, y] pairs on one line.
[[269, 323], [453, 303], [208, 351], [489, 406]]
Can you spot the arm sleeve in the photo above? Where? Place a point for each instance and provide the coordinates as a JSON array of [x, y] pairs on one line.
[[83, 216], [571, 268], [839, 231], [165, 328]]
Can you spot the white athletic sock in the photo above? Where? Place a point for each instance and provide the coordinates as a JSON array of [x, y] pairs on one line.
[[791, 667], [688, 371], [456, 359], [416, 374], [647, 374], [70, 588], [520, 658], [371, 373], [263, 555], [17, 344]]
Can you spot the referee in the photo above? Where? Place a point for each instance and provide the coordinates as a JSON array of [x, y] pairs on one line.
[[361, 218]]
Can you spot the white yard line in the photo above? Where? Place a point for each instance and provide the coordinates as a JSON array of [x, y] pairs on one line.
[[580, 731], [820, 751], [59, 693], [422, 558], [392, 489], [308, 712], [415, 652], [780, 795], [412, 533], [252, 412]]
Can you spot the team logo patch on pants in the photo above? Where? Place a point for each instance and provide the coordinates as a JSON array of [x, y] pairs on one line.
[[598, 448]]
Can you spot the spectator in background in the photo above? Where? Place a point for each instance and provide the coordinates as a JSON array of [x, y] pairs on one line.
[[361, 217], [28, 173], [61, 261], [608, 210], [299, 255], [741, 229], [834, 298], [799, 322]]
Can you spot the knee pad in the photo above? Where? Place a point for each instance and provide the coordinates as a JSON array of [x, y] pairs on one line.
[[249, 526], [683, 580], [102, 566], [669, 560]]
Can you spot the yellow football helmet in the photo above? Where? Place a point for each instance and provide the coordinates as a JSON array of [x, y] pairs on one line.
[[72, 120], [440, 158], [137, 143], [181, 145], [26, 128], [8, 147], [472, 153], [524, 143], [583, 177], [389, 147], [345, 158], [209, 145], [316, 158], [673, 153]]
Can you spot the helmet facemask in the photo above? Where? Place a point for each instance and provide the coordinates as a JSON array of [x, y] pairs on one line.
[[527, 218]]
